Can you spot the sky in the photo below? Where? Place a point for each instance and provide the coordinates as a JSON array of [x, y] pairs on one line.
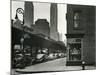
[[42, 10]]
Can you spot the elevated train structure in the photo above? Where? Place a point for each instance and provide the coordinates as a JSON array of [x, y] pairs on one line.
[[29, 48]]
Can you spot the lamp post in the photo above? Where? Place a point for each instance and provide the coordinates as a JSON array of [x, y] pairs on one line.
[[21, 11]]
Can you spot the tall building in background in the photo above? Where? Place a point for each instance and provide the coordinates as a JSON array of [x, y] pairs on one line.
[[53, 22], [41, 27], [28, 14], [60, 37]]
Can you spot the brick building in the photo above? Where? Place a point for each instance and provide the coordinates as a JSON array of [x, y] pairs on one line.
[[81, 34]]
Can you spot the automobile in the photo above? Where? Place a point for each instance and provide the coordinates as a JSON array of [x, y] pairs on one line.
[[18, 61], [40, 57], [51, 56]]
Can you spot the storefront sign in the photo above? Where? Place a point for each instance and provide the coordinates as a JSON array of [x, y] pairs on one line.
[[74, 40]]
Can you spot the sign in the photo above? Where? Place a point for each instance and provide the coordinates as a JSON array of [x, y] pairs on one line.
[[74, 40]]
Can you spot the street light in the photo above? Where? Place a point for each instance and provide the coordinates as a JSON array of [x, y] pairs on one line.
[[21, 11]]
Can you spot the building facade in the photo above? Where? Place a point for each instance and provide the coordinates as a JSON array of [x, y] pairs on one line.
[[42, 27], [53, 21], [81, 35], [28, 14]]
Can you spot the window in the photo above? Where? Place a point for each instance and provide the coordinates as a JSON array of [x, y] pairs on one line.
[[75, 49], [76, 19], [75, 52]]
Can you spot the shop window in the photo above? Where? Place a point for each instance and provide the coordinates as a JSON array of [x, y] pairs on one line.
[[75, 49], [75, 52]]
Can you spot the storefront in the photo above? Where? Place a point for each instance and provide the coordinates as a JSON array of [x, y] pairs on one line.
[[74, 49]]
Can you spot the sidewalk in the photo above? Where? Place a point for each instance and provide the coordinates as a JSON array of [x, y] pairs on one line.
[[50, 66]]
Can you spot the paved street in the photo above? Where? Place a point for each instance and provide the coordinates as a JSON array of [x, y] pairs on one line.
[[54, 65]]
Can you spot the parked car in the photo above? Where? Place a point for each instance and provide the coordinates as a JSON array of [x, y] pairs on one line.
[[41, 57], [18, 61]]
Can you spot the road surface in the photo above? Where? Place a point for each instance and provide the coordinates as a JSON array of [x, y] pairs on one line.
[[54, 65]]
